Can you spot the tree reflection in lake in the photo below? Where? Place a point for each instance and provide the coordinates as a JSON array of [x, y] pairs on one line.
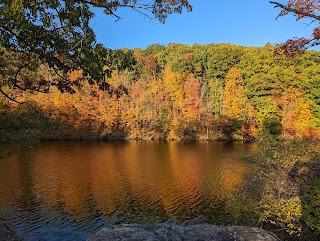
[[71, 189]]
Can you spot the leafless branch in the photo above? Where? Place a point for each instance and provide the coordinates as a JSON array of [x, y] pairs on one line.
[[62, 77], [108, 7], [18, 102], [16, 75]]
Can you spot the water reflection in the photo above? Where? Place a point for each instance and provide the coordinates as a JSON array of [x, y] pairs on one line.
[[68, 190]]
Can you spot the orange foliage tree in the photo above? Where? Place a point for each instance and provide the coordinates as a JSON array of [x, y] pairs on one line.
[[191, 105], [297, 114]]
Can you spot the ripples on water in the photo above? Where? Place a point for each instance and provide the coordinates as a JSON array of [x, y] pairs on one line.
[[69, 190]]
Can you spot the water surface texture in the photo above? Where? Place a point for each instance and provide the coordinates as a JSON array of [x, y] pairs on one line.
[[69, 190]]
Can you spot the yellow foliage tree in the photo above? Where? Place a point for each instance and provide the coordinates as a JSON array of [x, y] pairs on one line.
[[234, 95]]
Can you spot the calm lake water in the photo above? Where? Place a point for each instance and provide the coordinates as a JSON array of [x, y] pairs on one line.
[[69, 190]]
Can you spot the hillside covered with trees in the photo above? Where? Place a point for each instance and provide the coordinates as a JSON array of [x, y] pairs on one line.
[[215, 91]]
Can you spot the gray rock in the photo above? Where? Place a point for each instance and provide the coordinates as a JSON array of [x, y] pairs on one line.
[[170, 232], [6, 234]]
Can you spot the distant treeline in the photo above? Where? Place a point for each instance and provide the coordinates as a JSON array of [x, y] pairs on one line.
[[215, 91]]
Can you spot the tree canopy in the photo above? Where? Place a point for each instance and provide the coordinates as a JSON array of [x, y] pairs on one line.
[[214, 91], [58, 33]]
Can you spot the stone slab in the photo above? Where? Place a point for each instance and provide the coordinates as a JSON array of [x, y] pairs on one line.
[[170, 232]]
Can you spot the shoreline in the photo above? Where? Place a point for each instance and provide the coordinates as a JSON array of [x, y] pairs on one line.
[[102, 138]]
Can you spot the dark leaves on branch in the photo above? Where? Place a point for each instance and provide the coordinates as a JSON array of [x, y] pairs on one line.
[[293, 47]]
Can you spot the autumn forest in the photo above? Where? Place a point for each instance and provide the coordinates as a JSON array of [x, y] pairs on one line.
[[215, 91]]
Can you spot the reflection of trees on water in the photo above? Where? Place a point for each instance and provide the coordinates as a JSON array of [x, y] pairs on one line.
[[133, 181]]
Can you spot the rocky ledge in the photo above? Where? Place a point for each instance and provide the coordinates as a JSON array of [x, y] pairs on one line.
[[170, 232], [6, 234]]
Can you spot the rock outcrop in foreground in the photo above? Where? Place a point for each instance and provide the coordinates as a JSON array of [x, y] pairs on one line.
[[170, 232], [6, 234]]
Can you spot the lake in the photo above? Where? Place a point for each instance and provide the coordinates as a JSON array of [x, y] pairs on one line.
[[68, 190]]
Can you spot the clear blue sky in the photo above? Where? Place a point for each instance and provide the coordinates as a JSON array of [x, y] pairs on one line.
[[241, 22]]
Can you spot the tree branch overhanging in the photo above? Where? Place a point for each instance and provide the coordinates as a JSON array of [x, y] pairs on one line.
[[296, 11], [59, 35], [110, 8], [301, 9]]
